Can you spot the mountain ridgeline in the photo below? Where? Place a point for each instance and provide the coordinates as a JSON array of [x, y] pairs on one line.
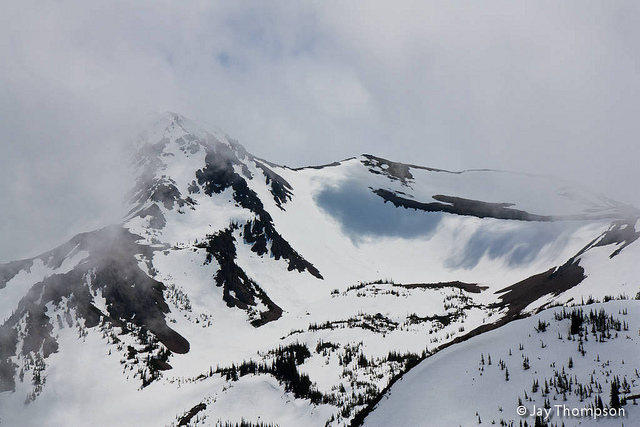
[[227, 268]]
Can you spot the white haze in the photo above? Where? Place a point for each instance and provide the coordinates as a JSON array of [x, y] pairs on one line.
[[542, 87]]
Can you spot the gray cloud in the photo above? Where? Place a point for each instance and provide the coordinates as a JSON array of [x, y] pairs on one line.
[[541, 87]]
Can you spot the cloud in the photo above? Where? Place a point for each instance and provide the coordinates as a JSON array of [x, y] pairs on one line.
[[532, 86]]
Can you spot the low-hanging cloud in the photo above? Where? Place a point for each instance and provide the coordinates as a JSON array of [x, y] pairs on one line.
[[540, 87]]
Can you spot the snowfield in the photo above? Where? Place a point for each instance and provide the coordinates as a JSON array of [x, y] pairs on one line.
[[236, 289], [466, 384]]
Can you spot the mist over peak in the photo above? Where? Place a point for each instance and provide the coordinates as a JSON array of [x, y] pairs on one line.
[[366, 265], [171, 273], [308, 86]]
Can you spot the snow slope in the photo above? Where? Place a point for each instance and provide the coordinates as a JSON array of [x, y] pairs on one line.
[[466, 384], [236, 288]]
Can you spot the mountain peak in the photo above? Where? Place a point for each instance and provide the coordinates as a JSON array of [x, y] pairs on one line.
[[168, 151], [168, 133], [310, 289]]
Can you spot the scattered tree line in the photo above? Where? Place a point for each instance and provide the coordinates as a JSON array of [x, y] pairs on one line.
[[284, 367]]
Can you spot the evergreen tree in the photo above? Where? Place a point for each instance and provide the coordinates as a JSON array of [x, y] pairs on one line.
[[599, 403], [576, 322], [615, 394]]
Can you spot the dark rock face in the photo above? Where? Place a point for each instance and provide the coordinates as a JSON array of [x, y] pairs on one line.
[[238, 289], [552, 282], [186, 418], [226, 167], [261, 231], [166, 193], [394, 170], [157, 218], [159, 190], [218, 175], [460, 206], [622, 233], [280, 188], [479, 209], [132, 299]]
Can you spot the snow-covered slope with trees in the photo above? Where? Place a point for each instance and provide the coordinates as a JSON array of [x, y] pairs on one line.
[[239, 289], [565, 366]]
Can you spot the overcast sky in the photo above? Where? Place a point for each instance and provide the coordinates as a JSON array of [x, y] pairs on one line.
[[547, 87]]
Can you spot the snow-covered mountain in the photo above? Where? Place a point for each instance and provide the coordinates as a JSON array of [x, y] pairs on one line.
[[239, 289], [555, 375]]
